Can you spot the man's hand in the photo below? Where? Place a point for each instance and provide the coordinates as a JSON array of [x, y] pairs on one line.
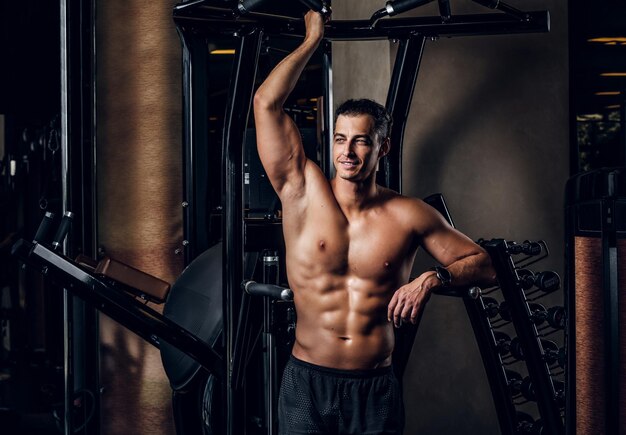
[[410, 299], [314, 22]]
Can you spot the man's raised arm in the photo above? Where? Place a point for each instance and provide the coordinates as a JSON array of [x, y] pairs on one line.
[[278, 139]]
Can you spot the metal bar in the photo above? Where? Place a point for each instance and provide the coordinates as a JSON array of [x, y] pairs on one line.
[[328, 121], [611, 310], [568, 302], [235, 122], [80, 323], [509, 10], [128, 311], [221, 19], [398, 104], [270, 276], [493, 366], [68, 370], [195, 150]]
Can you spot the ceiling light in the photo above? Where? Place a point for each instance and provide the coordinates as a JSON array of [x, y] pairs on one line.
[[589, 117], [223, 51], [614, 74], [608, 93], [614, 106], [606, 39]]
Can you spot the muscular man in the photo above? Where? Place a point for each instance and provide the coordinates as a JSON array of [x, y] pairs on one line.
[[350, 246]]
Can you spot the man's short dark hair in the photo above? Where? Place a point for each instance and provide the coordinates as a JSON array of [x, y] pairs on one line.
[[364, 106]]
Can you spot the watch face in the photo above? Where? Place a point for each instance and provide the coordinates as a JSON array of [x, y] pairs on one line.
[[444, 275]]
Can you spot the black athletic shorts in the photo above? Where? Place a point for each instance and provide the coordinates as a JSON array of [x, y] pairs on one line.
[[321, 400]]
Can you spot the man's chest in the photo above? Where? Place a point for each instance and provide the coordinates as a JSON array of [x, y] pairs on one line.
[[373, 246]]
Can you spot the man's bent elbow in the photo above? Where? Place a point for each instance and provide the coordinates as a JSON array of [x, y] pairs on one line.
[[263, 102], [489, 276]]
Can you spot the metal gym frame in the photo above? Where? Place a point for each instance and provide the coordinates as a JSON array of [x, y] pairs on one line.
[[201, 18]]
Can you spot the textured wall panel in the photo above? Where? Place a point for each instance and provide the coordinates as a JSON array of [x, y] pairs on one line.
[[590, 346], [139, 125]]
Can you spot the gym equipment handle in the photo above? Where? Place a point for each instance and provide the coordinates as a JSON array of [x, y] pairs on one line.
[[470, 292], [398, 6], [317, 6], [64, 228], [44, 228], [269, 290]]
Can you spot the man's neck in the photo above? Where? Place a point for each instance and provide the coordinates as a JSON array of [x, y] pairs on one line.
[[354, 196]]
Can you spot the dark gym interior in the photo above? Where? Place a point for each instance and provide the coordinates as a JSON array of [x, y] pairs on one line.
[[133, 203]]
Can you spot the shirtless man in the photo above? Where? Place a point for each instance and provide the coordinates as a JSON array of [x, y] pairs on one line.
[[350, 246]]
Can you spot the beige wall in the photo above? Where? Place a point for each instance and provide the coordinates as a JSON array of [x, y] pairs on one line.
[[360, 69], [488, 128]]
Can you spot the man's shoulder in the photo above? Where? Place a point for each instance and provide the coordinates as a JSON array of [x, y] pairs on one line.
[[410, 210], [400, 201]]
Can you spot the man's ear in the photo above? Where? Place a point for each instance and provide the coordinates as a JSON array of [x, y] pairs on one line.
[[385, 146]]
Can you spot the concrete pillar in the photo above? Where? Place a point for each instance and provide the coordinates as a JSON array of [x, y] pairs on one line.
[[139, 125]]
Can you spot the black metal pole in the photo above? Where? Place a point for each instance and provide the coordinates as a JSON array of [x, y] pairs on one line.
[[235, 122], [196, 146], [492, 362], [328, 112], [270, 276], [398, 103], [611, 312], [78, 150]]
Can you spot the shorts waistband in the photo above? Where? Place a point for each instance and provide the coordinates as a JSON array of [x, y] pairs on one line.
[[366, 373]]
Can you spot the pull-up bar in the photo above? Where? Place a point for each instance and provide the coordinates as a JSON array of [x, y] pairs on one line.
[[215, 16]]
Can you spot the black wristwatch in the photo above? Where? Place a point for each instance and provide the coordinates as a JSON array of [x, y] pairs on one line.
[[443, 275]]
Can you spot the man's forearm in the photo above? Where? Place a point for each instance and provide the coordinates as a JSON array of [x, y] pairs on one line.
[[475, 269], [281, 81]]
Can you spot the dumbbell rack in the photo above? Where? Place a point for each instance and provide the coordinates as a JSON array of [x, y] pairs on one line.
[[540, 382]]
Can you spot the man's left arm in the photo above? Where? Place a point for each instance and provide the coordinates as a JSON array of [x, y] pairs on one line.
[[465, 261]]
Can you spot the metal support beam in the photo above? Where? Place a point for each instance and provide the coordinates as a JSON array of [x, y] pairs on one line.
[[78, 151], [235, 122], [195, 154], [398, 104]]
